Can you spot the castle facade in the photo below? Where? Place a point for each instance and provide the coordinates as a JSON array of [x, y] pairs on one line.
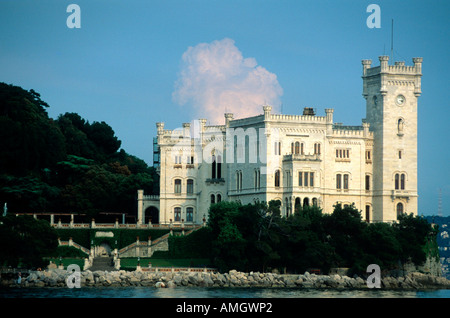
[[297, 159]]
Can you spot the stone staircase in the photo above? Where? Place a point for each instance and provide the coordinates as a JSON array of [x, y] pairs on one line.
[[102, 264]]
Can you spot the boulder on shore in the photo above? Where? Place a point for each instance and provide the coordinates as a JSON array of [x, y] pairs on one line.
[[234, 278]]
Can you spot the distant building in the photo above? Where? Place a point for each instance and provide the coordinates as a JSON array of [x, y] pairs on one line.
[[297, 159]]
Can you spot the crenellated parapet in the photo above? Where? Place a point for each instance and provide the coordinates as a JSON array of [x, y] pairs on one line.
[[387, 74]]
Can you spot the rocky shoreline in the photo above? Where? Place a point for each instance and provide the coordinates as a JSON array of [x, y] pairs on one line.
[[57, 278]]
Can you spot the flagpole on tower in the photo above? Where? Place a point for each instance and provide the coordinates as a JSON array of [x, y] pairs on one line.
[[392, 41]]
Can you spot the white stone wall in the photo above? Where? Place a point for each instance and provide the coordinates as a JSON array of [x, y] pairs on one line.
[[248, 173]]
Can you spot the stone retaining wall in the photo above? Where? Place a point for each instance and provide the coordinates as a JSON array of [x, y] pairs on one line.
[[57, 278]]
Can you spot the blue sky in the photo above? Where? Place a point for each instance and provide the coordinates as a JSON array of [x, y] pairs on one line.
[[122, 65]]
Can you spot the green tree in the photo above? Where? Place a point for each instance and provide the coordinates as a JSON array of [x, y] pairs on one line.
[[30, 141], [380, 246], [412, 232], [24, 241], [345, 230], [305, 245]]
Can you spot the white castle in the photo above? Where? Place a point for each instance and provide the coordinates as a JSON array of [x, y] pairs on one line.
[[299, 160]]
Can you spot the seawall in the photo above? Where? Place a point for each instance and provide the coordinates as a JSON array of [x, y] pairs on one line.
[[57, 278]]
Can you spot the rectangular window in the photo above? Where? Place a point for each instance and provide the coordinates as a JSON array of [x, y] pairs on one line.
[[367, 182], [311, 179], [343, 153], [288, 178], [300, 179], [306, 179], [368, 156], [399, 154]]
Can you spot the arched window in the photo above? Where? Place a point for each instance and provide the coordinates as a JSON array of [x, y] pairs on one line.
[[286, 200], [177, 186], [297, 203], [189, 214], [400, 209], [190, 186], [237, 180], [213, 167], [317, 148], [257, 175], [314, 201], [297, 147], [219, 167], [402, 181], [400, 125], [177, 214], [397, 178], [346, 181], [259, 179], [277, 178], [240, 180], [219, 198], [368, 213], [213, 199], [306, 202], [367, 182], [338, 181]]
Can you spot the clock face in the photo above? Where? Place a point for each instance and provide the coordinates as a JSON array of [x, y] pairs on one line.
[[400, 100]]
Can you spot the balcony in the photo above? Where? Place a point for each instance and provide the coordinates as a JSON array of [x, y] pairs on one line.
[[302, 157], [215, 181], [398, 194]]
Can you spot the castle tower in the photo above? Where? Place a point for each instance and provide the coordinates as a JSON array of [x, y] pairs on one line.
[[391, 93]]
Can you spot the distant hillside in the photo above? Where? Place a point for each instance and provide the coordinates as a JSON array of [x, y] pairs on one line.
[[443, 241], [65, 164]]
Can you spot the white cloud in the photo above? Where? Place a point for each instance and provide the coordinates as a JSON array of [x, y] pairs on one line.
[[215, 78]]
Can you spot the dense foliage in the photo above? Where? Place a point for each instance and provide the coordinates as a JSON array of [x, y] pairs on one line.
[[255, 237], [24, 241], [64, 165]]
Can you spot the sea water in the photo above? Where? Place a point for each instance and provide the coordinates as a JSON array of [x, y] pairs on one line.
[[200, 292]]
